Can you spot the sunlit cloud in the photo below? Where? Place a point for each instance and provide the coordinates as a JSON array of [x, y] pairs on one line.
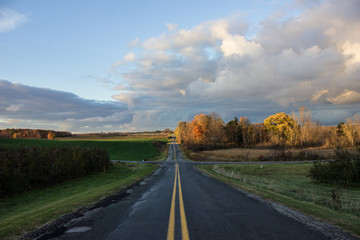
[[347, 97], [312, 58]]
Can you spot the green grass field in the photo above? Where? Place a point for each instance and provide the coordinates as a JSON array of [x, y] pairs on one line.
[[25, 212], [288, 185], [118, 148]]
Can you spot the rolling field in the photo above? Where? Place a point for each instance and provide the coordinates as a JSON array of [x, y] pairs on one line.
[[118, 148], [288, 184], [28, 211]]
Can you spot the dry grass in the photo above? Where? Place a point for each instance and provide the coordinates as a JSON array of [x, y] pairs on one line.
[[246, 154]]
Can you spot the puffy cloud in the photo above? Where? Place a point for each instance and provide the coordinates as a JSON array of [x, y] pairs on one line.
[[347, 97], [129, 57], [9, 20], [312, 58], [351, 51]]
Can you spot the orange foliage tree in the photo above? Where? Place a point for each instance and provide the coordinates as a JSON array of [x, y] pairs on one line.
[[199, 127]]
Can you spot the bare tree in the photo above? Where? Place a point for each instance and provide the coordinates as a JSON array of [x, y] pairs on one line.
[[351, 129]]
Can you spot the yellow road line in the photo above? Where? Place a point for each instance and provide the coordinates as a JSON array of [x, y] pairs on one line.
[[171, 227], [184, 228], [174, 152]]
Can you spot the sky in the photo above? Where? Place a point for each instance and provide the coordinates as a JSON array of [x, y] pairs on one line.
[[110, 65]]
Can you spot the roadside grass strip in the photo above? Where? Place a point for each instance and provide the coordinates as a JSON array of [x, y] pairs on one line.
[[29, 211], [288, 184]]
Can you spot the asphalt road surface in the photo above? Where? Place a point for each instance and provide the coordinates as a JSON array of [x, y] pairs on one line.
[[179, 202]]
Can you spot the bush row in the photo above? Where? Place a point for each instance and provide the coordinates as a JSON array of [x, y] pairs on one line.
[[26, 168], [343, 170]]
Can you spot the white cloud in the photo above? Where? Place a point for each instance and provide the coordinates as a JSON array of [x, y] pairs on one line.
[[351, 51], [312, 58], [319, 95], [347, 97], [129, 57], [9, 20]]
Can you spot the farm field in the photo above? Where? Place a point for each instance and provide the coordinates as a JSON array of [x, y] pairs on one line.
[[288, 184], [119, 148], [253, 154], [28, 211]]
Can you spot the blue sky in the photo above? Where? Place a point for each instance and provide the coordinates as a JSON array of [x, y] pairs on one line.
[[143, 65], [62, 43]]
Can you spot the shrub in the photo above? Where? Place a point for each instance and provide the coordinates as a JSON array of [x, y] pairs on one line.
[[343, 170]]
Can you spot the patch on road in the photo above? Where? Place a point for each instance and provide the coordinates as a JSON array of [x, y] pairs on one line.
[[78, 229]]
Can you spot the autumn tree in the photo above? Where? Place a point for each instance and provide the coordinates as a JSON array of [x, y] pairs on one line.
[[280, 125], [51, 135], [182, 132], [203, 129], [199, 127], [215, 129]]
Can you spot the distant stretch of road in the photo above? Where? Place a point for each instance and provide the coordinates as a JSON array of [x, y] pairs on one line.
[[179, 202]]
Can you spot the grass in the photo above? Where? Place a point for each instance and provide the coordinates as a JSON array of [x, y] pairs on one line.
[[288, 185], [118, 148], [28, 211], [249, 154], [131, 137]]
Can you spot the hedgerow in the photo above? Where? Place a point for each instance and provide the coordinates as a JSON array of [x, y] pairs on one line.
[[26, 168]]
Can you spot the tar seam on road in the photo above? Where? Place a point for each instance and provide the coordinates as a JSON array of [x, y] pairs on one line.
[[171, 226]]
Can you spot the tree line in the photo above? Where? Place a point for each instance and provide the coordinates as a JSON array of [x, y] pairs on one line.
[[26, 168], [32, 133], [278, 130]]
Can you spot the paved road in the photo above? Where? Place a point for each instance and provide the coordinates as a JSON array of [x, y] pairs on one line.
[[199, 208]]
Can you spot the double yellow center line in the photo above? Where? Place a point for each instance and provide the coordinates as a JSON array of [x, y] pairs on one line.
[[171, 227]]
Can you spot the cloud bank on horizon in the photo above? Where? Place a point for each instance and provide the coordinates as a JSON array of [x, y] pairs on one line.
[[310, 59], [42, 108]]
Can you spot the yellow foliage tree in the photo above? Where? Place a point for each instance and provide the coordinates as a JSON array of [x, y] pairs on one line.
[[280, 125]]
